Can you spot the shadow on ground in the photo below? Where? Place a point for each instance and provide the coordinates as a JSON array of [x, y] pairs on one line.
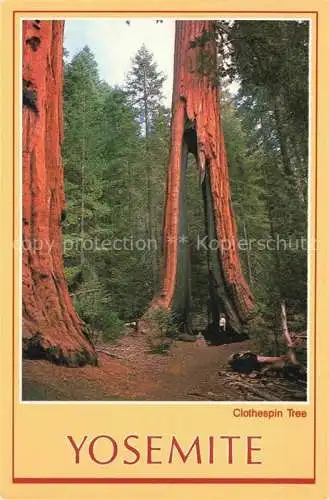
[[214, 336]]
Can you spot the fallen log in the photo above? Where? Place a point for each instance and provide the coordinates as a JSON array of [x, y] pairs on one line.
[[244, 362], [294, 392], [247, 362], [261, 394], [104, 351], [209, 396], [287, 365], [287, 336]]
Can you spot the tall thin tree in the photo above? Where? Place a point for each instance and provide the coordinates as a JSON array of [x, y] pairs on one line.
[[144, 85]]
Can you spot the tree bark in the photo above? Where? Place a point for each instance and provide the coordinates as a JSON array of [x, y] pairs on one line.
[[51, 327], [197, 128]]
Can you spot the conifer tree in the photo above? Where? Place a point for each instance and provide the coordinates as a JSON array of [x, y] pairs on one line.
[[144, 86]]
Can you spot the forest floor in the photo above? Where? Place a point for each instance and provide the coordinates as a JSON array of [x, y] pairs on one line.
[[189, 371]]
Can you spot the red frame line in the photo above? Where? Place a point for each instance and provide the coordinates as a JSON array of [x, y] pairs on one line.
[[164, 480], [166, 11]]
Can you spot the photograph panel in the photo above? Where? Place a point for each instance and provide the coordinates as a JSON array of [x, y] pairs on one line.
[[165, 195]]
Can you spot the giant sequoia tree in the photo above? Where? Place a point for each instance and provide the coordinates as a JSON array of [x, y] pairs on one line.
[[51, 327], [197, 128]]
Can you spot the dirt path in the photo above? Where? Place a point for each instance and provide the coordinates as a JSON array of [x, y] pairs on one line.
[[127, 371], [193, 369], [130, 372]]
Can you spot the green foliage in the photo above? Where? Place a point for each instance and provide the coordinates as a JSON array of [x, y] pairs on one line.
[[164, 330], [266, 134], [160, 348], [144, 91], [163, 322], [106, 189], [144, 87]]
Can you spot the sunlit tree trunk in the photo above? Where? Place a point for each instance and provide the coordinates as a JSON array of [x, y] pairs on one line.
[[197, 128], [51, 327]]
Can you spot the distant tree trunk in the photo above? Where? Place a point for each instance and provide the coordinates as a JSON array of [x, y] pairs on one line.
[[245, 234], [290, 172], [197, 128], [51, 327], [150, 207], [83, 181]]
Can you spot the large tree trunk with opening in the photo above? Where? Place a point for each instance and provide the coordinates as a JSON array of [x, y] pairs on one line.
[[51, 327], [197, 128]]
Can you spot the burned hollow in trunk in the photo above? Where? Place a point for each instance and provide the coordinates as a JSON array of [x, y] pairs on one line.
[[196, 128]]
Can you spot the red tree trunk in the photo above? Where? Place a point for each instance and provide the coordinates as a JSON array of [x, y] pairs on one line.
[[51, 327], [197, 128]]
